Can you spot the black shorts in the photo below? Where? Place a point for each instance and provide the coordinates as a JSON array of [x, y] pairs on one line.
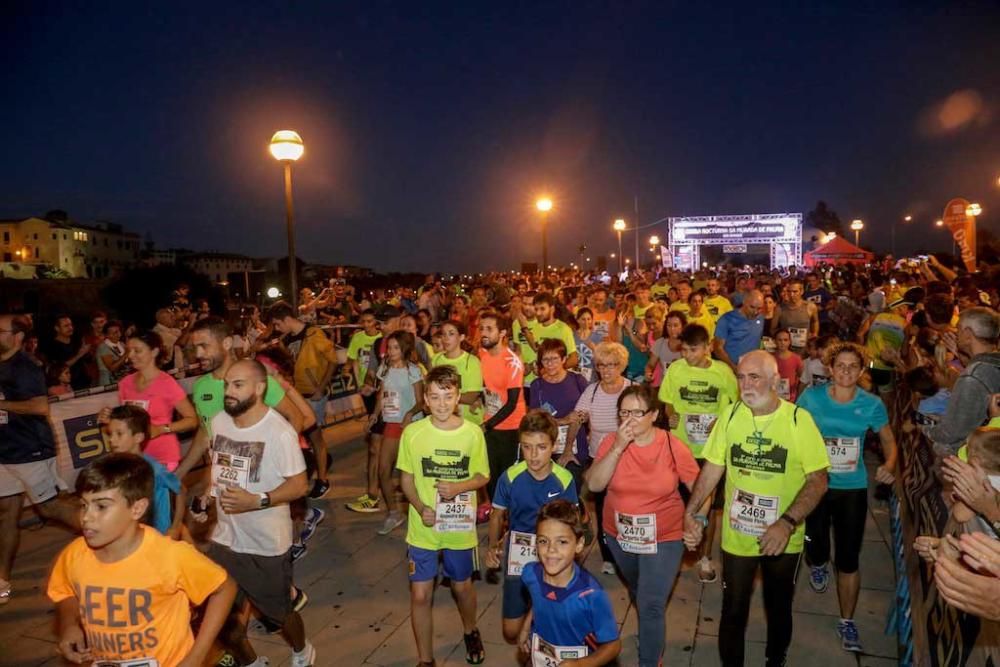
[[369, 403], [264, 580], [719, 495]]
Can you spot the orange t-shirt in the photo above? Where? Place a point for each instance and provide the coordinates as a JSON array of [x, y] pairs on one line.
[[645, 482], [140, 606], [500, 373]]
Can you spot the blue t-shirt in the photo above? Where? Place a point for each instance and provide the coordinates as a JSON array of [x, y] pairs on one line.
[[741, 334], [843, 427], [164, 483], [521, 495], [559, 400], [578, 615], [23, 438]]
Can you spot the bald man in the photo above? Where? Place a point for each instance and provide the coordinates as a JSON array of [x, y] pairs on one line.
[[775, 464], [739, 331], [257, 470]]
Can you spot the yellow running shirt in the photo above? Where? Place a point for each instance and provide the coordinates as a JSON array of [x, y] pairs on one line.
[[697, 395]]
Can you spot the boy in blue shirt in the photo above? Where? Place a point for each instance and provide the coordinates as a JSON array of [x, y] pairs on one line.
[[571, 619], [128, 430], [520, 493]]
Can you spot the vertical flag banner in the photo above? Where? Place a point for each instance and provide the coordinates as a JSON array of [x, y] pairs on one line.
[[963, 230], [666, 259]]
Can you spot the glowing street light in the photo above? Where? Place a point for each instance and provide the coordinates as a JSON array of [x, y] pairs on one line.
[[857, 226], [544, 205], [287, 147], [654, 240], [273, 292], [974, 210], [619, 227], [939, 223]]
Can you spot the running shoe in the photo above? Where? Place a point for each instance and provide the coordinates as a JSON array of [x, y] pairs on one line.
[[314, 517], [706, 572], [819, 578], [298, 551], [392, 522], [364, 504], [306, 657], [608, 568], [849, 639], [320, 487], [300, 600]]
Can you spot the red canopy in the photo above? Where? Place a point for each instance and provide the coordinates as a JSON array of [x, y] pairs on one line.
[[838, 250]]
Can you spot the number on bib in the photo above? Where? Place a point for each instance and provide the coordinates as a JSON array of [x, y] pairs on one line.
[[544, 654], [521, 552], [844, 454], [751, 514], [457, 515], [636, 532]]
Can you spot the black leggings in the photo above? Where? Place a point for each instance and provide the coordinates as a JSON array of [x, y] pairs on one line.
[[778, 575], [846, 510], [501, 451]]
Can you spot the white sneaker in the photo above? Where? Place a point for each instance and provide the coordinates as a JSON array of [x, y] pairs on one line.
[[608, 568], [306, 658]]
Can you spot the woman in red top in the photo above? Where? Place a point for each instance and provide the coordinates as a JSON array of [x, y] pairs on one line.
[[641, 467]]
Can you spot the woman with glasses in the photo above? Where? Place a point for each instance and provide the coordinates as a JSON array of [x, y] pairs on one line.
[[641, 468], [598, 405], [844, 412]]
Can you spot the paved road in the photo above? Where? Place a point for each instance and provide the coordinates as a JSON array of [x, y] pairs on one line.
[[359, 606]]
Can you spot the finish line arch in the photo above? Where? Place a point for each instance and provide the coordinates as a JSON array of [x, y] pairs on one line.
[[781, 231]]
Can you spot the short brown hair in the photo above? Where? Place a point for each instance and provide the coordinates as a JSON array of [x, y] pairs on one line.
[[134, 417], [564, 512], [539, 421], [551, 345], [835, 350], [445, 377], [129, 473]]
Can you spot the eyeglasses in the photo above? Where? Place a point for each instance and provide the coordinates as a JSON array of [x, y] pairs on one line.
[[625, 414]]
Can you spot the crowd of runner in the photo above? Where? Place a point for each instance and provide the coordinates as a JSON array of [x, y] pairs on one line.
[[641, 415]]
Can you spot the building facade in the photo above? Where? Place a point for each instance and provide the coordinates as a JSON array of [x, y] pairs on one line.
[[69, 248]]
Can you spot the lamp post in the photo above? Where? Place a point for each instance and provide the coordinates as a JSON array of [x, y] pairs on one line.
[[544, 205], [857, 226], [286, 147], [654, 241], [619, 227]]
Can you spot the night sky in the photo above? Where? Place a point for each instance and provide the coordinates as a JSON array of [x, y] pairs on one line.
[[430, 128]]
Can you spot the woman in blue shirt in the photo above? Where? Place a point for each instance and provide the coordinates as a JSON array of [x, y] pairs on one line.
[[844, 413]]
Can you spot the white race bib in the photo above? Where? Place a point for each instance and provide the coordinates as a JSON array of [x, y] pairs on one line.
[[457, 515], [229, 470], [636, 532], [561, 439], [784, 389], [391, 406], [843, 453], [751, 514], [493, 403], [799, 336], [544, 654], [522, 551], [697, 427], [137, 662]]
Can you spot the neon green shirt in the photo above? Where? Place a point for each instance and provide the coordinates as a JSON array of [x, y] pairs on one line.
[[697, 395], [429, 454], [360, 348], [471, 372], [767, 459], [717, 306], [558, 330]]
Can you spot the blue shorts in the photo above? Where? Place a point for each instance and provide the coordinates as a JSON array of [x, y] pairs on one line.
[[457, 564], [319, 409], [516, 600]]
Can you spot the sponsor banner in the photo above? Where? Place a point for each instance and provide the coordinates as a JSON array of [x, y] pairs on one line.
[[734, 249], [963, 230]]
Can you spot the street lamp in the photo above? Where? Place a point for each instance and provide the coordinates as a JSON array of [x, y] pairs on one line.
[[974, 210], [654, 240], [286, 147], [544, 205], [619, 227], [857, 226]]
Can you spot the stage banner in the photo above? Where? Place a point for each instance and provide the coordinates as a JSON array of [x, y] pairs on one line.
[[666, 259], [931, 632], [963, 230]]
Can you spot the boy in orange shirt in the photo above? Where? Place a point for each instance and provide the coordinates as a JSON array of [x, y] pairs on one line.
[[123, 591]]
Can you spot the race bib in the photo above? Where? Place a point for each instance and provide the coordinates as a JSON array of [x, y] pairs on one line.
[[799, 336], [768, 345], [229, 470], [522, 551], [751, 514], [493, 403], [561, 439], [784, 389], [391, 405], [697, 427], [843, 453], [364, 357], [544, 654], [636, 532], [457, 515], [137, 662], [601, 328], [138, 403]]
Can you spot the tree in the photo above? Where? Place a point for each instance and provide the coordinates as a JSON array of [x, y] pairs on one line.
[[825, 219]]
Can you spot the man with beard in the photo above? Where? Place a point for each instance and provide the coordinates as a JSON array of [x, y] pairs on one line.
[[27, 447], [716, 304], [775, 464], [545, 327], [257, 470], [213, 347]]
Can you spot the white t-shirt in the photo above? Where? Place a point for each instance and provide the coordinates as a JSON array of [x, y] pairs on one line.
[[602, 409], [258, 459]]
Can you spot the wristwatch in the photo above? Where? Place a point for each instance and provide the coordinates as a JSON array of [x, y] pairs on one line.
[[789, 520], [265, 500], [166, 428]]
